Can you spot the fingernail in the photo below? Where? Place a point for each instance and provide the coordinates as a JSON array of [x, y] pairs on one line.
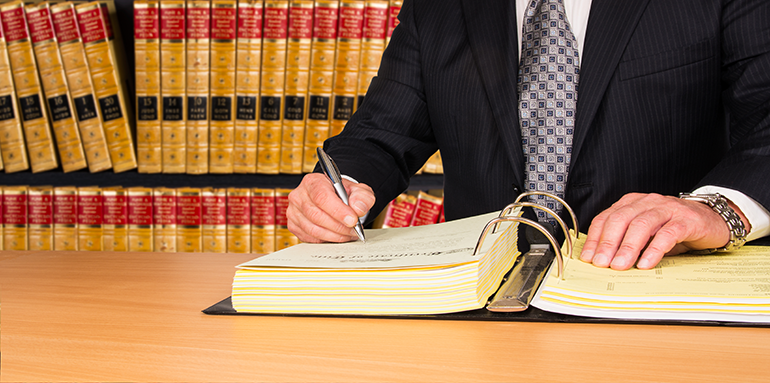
[[360, 207], [350, 220], [644, 263], [586, 255], [601, 260]]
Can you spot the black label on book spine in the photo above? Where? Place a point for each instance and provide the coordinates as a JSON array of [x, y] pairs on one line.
[[85, 107], [294, 109], [148, 108], [247, 108], [270, 109], [319, 108], [221, 108], [343, 107], [60, 108], [172, 108], [6, 108], [31, 107], [197, 108], [110, 108]]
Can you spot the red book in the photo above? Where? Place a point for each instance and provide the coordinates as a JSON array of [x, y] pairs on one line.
[[400, 211], [427, 209]]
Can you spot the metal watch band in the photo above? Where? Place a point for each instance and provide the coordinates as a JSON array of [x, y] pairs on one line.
[[718, 203]]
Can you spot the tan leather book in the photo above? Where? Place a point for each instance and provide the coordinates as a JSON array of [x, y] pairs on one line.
[[40, 217], [283, 237], [90, 218], [54, 81], [347, 63], [238, 220], [222, 127], [214, 220], [115, 40], [400, 211], [115, 222], [322, 54], [262, 220], [372, 44], [275, 32], [393, 10], [84, 98], [147, 71], [106, 81], [434, 165], [295, 87], [2, 236], [65, 218], [140, 219], [12, 147], [29, 92], [188, 220], [198, 46], [427, 209], [15, 217], [247, 77], [164, 219], [173, 86]]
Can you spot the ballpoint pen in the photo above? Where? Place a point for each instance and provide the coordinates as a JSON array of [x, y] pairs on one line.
[[331, 171]]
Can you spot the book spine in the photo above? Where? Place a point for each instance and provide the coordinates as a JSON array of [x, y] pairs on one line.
[[322, 54], [164, 219], [115, 41], [223, 42], [147, 59], [81, 89], [15, 218], [198, 46], [90, 218], [372, 44], [173, 86], [104, 76], [40, 216], [29, 93], [115, 224], [214, 220], [140, 219], [283, 237], [248, 66], [188, 218], [400, 211], [427, 209], [393, 10], [54, 82], [2, 222], [346, 67], [14, 153], [65, 218], [276, 30], [295, 86], [238, 220], [262, 221]]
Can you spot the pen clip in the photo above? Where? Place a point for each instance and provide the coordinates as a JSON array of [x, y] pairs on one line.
[[328, 166]]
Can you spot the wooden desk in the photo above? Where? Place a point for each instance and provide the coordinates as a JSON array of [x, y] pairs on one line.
[[80, 316]]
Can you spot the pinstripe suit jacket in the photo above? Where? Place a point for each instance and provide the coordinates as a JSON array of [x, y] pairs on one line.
[[672, 95]]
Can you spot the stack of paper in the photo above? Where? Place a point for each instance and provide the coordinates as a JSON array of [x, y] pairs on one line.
[[732, 286], [418, 270]]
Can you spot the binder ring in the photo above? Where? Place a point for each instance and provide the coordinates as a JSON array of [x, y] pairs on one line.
[[558, 199], [552, 213], [509, 218]]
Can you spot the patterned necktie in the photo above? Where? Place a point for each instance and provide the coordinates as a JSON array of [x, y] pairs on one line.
[[548, 79]]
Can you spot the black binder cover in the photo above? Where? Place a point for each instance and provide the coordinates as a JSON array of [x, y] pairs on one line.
[[532, 314]]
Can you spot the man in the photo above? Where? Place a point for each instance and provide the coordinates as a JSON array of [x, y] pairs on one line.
[[673, 97]]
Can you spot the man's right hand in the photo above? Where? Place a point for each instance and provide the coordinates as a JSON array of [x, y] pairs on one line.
[[316, 214]]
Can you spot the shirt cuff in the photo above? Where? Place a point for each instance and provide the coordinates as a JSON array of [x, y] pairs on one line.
[[758, 216]]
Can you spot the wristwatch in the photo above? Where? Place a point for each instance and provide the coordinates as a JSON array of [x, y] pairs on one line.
[[719, 204]]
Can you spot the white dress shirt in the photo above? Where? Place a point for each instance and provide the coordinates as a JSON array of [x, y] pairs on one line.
[[577, 12]]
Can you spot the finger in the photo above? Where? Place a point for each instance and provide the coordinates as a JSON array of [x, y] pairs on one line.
[[599, 224], [361, 198], [308, 231], [638, 237]]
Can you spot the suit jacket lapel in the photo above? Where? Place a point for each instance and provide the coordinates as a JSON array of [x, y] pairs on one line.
[[491, 27], [610, 26]]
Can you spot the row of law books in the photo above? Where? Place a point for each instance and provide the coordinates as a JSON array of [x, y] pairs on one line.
[[63, 100], [412, 209], [251, 86], [161, 219]]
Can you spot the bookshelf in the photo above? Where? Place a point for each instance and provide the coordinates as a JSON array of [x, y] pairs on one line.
[[57, 177]]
